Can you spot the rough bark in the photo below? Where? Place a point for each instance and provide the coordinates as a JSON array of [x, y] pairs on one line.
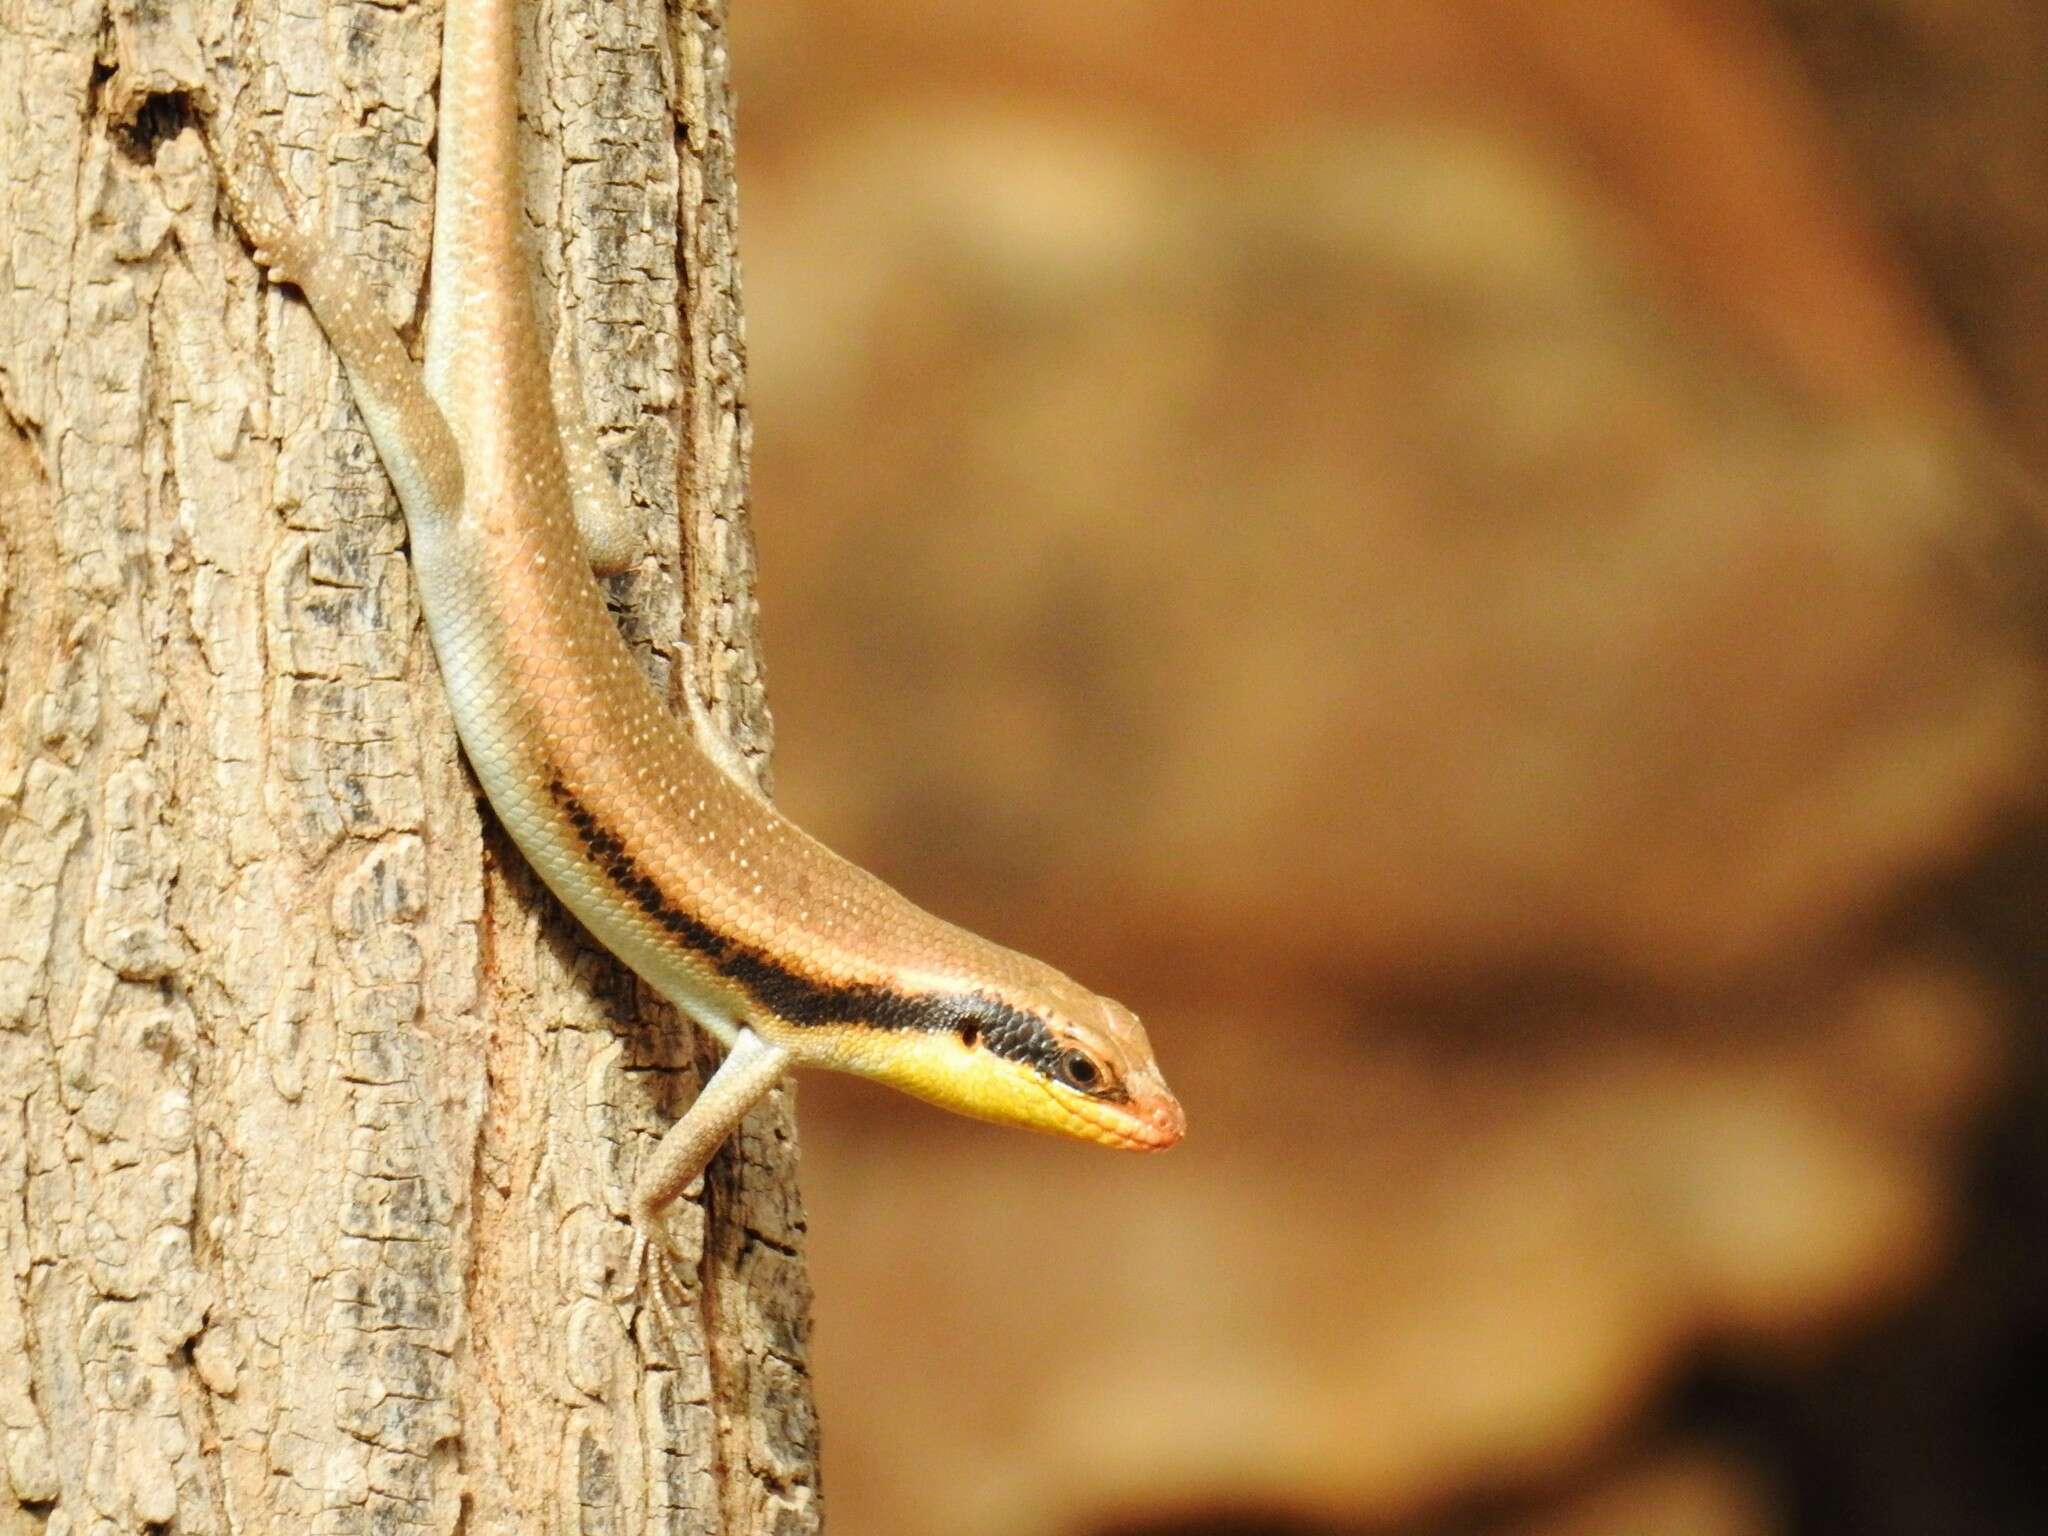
[[317, 1117]]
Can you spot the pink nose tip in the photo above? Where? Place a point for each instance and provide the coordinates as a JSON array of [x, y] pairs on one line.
[[1166, 1120]]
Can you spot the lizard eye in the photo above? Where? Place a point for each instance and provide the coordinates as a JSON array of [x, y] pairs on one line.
[[1078, 1070]]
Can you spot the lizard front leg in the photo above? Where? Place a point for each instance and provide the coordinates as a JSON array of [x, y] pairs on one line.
[[751, 1068]]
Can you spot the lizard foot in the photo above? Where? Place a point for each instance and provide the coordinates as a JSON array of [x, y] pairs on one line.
[[655, 1266], [261, 208]]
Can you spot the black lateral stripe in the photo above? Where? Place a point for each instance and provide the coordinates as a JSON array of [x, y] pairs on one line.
[[789, 994]]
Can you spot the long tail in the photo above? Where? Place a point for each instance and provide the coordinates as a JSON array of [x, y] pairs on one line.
[[484, 362]]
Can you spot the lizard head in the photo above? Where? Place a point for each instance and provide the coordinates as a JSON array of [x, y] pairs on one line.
[[1047, 1057]]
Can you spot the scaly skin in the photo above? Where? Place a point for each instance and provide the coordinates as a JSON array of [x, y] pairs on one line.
[[785, 951]]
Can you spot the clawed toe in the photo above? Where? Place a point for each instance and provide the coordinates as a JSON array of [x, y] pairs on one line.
[[652, 1265], [249, 176]]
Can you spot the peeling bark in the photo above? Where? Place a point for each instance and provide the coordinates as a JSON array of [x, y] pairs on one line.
[[317, 1117]]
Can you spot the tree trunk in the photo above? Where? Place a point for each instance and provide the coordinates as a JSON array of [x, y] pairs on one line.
[[317, 1117]]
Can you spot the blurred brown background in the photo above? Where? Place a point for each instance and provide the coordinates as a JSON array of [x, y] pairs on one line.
[[1477, 562]]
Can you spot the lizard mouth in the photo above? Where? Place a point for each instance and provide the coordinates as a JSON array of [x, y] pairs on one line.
[[1148, 1124]]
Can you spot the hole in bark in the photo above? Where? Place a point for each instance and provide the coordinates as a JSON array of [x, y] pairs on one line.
[[155, 117]]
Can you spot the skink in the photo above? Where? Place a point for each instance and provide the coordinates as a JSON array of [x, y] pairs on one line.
[[786, 952]]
